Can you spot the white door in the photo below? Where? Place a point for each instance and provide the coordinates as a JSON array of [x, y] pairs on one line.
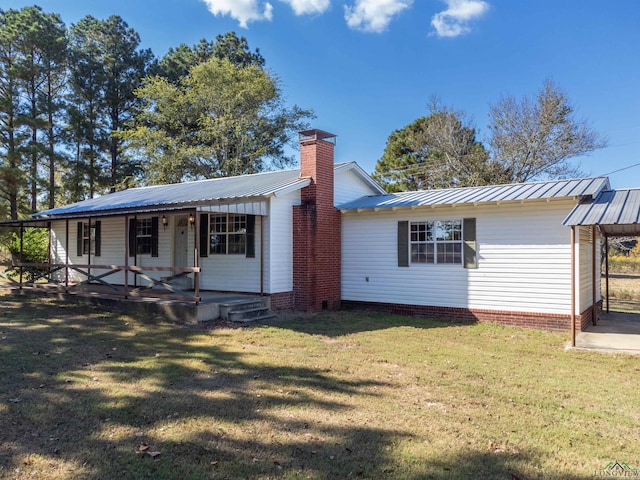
[[181, 251]]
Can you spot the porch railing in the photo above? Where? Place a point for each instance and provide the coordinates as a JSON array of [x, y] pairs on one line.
[[45, 272]]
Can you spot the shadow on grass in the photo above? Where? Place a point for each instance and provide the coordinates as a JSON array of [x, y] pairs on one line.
[[54, 358], [353, 321], [81, 390]]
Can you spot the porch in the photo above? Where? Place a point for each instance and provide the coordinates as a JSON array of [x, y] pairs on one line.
[[228, 306]]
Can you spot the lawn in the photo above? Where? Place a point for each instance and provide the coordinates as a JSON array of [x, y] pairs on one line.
[[97, 395]]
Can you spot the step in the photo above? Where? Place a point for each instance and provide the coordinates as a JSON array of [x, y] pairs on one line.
[[237, 305], [266, 316], [235, 315]]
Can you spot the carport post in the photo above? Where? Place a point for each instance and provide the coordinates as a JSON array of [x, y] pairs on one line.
[[606, 268], [594, 307], [573, 286]]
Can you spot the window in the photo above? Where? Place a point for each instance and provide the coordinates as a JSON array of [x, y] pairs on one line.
[[438, 242], [88, 237], [228, 234], [144, 237]]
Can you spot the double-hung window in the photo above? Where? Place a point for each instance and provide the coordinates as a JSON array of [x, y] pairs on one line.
[[88, 237], [228, 234], [144, 236], [436, 242]]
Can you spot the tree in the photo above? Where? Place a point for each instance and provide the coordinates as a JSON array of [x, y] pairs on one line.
[[221, 120], [125, 67], [177, 63], [107, 68], [436, 151], [534, 139], [12, 137], [87, 129]]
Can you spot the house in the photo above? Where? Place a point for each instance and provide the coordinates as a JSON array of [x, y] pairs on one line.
[[275, 234], [326, 236]]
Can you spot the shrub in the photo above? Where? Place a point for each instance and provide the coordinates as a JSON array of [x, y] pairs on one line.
[[35, 249]]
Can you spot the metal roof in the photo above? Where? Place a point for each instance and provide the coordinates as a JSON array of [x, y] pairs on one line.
[[216, 190], [578, 188], [617, 212], [197, 193]]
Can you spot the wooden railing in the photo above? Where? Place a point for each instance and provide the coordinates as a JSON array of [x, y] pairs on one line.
[[45, 272]]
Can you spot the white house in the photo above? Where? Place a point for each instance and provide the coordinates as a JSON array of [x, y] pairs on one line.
[[327, 236]]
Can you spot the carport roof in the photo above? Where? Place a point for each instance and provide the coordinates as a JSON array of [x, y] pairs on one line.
[[616, 212]]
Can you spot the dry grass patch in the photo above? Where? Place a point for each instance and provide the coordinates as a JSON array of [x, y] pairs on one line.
[[89, 394]]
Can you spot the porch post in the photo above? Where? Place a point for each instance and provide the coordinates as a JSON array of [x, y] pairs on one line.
[[261, 255], [594, 307], [66, 256], [49, 250], [126, 256], [196, 255], [573, 286], [88, 251], [606, 268], [21, 250]]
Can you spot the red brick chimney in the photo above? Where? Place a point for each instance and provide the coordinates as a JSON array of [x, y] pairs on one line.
[[316, 228]]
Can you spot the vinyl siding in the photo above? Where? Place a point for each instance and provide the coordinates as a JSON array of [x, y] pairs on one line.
[[584, 265], [348, 187], [524, 259], [279, 260]]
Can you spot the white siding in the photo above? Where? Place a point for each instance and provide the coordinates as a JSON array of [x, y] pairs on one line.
[[584, 264], [349, 186], [524, 259], [235, 273], [113, 240], [279, 259]]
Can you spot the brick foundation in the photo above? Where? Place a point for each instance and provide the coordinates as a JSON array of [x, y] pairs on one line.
[[282, 301], [536, 321]]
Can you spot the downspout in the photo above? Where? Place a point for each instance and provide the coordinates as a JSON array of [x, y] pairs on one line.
[[606, 267], [594, 307], [573, 286]]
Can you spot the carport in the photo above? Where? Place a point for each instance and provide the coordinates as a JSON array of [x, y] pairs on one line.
[[614, 213]]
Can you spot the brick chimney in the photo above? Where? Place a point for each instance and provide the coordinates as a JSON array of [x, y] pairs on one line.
[[316, 228]]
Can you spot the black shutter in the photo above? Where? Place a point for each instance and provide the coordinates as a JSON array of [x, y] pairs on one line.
[[132, 237], [469, 237], [98, 238], [251, 236], [204, 234], [403, 244], [154, 236], [79, 238]]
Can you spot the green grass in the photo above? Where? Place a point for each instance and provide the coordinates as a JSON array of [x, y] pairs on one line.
[[332, 396]]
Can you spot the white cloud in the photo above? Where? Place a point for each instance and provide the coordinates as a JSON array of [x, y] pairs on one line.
[[244, 11], [373, 15], [302, 7], [455, 20]]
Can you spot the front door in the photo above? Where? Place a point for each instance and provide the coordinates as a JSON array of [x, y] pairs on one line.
[[181, 251]]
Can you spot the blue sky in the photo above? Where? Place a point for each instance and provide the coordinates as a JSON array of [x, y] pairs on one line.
[[368, 67]]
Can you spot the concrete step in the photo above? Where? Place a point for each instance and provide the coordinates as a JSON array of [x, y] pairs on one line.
[[235, 305], [266, 316], [236, 315]]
